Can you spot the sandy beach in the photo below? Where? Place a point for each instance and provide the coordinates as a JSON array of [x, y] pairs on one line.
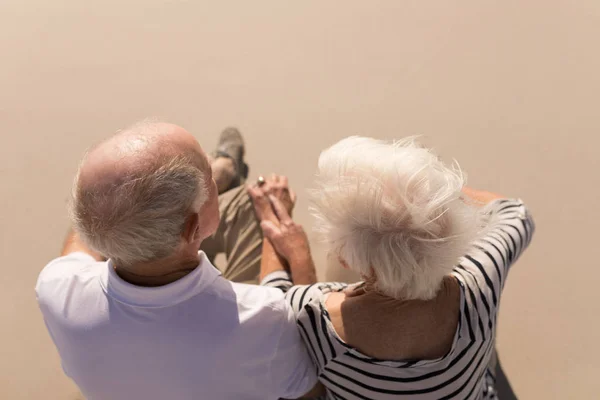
[[511, 90]]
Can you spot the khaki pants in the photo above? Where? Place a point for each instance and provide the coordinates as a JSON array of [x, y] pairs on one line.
[[238, 236]]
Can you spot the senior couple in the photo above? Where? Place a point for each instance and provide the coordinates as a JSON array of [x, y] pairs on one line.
[[137, 312]]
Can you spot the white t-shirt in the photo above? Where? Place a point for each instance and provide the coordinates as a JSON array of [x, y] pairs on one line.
[[201, 337]]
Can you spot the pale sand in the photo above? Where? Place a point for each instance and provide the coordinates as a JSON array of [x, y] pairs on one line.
[[512, 91]]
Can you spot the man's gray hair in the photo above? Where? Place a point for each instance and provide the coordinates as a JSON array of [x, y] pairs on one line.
[[393, 211], [140, 216]]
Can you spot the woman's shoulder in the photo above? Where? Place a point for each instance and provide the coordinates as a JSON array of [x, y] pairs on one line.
[[300, 295]]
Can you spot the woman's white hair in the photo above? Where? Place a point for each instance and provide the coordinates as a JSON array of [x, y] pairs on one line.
[[393, 212]]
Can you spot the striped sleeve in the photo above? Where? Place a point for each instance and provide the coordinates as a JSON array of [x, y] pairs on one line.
[[509, 234], [300, 295], [485, 267], [278, 280]]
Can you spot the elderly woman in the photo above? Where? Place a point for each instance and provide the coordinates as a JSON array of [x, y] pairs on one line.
[[433, 257]]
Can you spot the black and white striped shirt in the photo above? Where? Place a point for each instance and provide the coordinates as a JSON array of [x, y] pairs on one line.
[[463, 372]]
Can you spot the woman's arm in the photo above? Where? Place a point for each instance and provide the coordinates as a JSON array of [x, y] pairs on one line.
[[285, 246], [270, 260], [480, 197], [290, 241], [507, 234]]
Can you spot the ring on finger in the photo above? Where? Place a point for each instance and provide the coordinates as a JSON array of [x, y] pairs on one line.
[[260, 181]]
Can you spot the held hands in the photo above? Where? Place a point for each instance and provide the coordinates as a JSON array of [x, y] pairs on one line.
[[273, 203], [277, 186]]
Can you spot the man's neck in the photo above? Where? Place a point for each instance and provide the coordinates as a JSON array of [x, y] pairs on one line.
[[159, 272]]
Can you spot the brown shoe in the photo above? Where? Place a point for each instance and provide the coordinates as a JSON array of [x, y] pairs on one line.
[[231, 145]]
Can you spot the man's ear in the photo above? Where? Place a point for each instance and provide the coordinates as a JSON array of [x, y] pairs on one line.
[[191, 230]]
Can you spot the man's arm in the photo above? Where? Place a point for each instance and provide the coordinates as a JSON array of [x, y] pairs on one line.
[[292, 372], [302, 269], [73, 243], [301, 265]]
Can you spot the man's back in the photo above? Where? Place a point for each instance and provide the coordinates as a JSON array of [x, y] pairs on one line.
[[199, 337]]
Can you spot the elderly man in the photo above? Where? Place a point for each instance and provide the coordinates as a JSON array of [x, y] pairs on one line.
[[157, 320]]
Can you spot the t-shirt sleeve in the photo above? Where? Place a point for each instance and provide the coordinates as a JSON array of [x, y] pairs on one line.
[[58, 269], [54, 285], [292, 371]]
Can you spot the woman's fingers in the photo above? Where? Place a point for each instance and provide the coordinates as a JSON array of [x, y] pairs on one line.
[[280, 210]]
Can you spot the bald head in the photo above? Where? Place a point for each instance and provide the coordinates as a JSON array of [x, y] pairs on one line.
[[134, 191], [137, 149]]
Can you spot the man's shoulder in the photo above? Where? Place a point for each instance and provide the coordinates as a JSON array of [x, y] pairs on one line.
[[62, 271], [257, 302], [260, 296]]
